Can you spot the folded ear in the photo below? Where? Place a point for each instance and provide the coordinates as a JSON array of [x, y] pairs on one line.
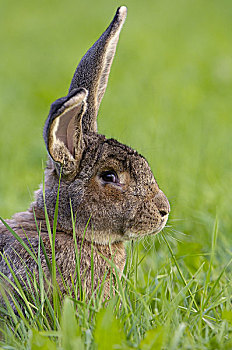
[[63, 130], [93, 70]]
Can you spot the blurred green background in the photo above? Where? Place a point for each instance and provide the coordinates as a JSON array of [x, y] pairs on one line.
[[169, 97]]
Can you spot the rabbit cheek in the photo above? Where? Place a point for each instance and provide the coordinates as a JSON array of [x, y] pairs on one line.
[[151, 216], [112, 193], [104, 193]]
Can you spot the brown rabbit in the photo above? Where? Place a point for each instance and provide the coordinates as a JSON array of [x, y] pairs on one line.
[[103, 181]]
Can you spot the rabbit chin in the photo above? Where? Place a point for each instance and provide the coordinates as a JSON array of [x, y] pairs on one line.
[[104, 237], [134, 234]]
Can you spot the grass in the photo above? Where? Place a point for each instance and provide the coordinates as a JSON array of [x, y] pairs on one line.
[[170, 89], [175, 309]]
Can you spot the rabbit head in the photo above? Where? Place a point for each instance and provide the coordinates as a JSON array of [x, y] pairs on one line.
[[103, 180]]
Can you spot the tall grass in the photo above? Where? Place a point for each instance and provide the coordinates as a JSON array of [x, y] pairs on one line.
[[178, 308], [169, 97]]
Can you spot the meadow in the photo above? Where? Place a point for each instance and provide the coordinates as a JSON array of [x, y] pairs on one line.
[[169, 97]]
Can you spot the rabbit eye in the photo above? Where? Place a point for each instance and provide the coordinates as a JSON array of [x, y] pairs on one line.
[[109, 176]]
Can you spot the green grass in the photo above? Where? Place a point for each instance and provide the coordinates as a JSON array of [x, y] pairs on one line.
[[169, 97], [176, 308]]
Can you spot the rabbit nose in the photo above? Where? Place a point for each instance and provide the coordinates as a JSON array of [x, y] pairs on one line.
[[162, 203], [163, 212]]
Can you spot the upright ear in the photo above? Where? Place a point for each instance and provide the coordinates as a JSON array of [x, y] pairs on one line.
[[63, 130], [94, 68]]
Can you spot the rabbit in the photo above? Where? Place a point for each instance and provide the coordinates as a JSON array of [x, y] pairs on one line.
[[109, 187]]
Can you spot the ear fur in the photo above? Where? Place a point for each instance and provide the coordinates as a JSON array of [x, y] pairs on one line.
[[94, 68], [63, 134]]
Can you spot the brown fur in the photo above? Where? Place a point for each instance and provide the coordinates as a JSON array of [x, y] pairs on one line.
[[128, 207], [65, 253]]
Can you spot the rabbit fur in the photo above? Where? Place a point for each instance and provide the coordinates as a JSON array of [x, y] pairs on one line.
[[105, 182]]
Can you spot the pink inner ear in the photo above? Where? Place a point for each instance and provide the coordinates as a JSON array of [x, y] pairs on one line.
[[70, 135], [66, 128]]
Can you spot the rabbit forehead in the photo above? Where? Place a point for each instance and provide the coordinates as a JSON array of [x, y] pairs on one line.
[[116, 155], [123, 158]]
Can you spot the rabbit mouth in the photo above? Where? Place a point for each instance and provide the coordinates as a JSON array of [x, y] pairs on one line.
[[152, 231], [158, 229]]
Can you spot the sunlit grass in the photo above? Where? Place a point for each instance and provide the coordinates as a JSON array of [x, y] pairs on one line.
[[178, 307], [169, 97]]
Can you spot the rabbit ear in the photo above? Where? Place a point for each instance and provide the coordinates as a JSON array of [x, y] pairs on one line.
[[63, 130], [94, 68]]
